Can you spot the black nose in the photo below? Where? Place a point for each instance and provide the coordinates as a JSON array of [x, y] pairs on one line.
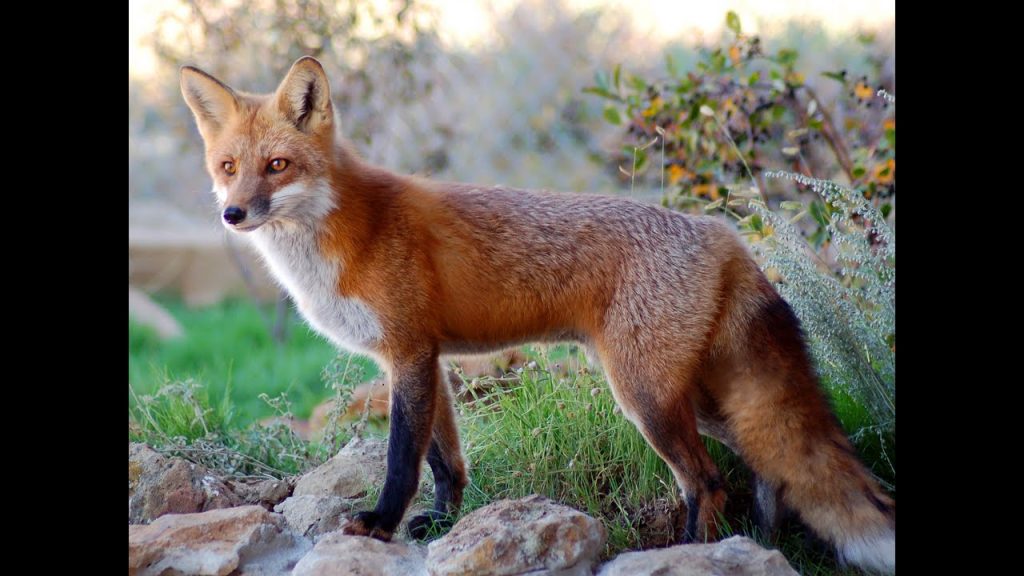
[[234, 214]]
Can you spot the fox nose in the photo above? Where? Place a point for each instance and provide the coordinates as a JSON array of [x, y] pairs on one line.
[[234, 214]]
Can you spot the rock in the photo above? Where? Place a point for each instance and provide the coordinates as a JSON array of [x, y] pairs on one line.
[[313, 516], [247, 539], [736, 556], [510, 537], [361, 464], [266, 493], [158, 485], [338, 554]]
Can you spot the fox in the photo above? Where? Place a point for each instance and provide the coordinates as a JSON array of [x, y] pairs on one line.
[[692, 337]]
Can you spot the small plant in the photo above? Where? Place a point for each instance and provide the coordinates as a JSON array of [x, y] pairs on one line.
[[342, 375], [179, 420]]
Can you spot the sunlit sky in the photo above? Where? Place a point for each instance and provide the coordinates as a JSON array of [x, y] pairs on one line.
[[466, 22]]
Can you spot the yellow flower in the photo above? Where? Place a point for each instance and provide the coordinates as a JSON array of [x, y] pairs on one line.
[[889, 124], [708, 190], [863, 91], [677, 173], [653, 108]]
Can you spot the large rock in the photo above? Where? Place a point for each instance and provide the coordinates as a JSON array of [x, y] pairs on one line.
[[360, 465], [158, 485], [532, 535], [313, 516], [736, 556], [247, 539], [337, 554]]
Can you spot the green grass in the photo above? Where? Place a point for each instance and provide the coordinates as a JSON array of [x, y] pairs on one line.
[[230, 350]]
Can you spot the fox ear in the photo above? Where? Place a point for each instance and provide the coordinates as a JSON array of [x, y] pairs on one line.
[[304, 96], [211, 101]]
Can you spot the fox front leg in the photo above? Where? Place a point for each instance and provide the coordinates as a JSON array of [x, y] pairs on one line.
[[413, 399]]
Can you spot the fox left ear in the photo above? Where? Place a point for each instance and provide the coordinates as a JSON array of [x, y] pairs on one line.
[[304, 96]]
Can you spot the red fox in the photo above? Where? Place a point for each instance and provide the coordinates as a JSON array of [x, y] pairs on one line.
[[691, 335]]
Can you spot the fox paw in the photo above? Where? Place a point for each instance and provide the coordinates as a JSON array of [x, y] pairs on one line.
[[429, 525], [366, 524]]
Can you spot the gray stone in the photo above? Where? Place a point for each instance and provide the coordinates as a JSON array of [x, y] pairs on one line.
[[313, 516], [736, 556], [361, 464], [337, 554]]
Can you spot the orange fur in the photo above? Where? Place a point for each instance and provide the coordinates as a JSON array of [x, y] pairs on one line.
[[691, 334]]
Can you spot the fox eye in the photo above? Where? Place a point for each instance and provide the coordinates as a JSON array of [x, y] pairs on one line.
[[277, 165], [230, 168]]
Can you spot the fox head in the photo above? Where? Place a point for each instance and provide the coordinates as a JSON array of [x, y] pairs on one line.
[[268, 155]]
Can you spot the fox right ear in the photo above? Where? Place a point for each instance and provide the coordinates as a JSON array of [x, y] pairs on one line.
[[211, 101], [304, 96]]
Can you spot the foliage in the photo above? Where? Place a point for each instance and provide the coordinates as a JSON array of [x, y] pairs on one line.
[[180, 420], [742, 111]]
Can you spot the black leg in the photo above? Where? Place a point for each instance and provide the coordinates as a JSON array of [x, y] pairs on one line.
[[448, 468], [413, 398]]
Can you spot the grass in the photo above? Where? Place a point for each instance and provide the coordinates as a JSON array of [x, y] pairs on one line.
[[230, 350], [555, 431]]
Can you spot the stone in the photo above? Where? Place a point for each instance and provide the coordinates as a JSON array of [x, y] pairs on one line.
[[313, 516], [158, 485], [532, 535], [736, 556], [337, 554], [360, 465], [246, 539]]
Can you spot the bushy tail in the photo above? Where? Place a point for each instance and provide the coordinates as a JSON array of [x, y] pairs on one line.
[[785, 429]]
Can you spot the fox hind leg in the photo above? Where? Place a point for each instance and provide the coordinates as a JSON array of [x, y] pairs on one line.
[[768, 506], [664, 413]]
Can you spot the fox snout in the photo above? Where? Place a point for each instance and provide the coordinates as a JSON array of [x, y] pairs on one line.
[[243, 213], [234, 215]]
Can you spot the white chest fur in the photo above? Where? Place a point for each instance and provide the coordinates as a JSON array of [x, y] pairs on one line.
[[293, 255]]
